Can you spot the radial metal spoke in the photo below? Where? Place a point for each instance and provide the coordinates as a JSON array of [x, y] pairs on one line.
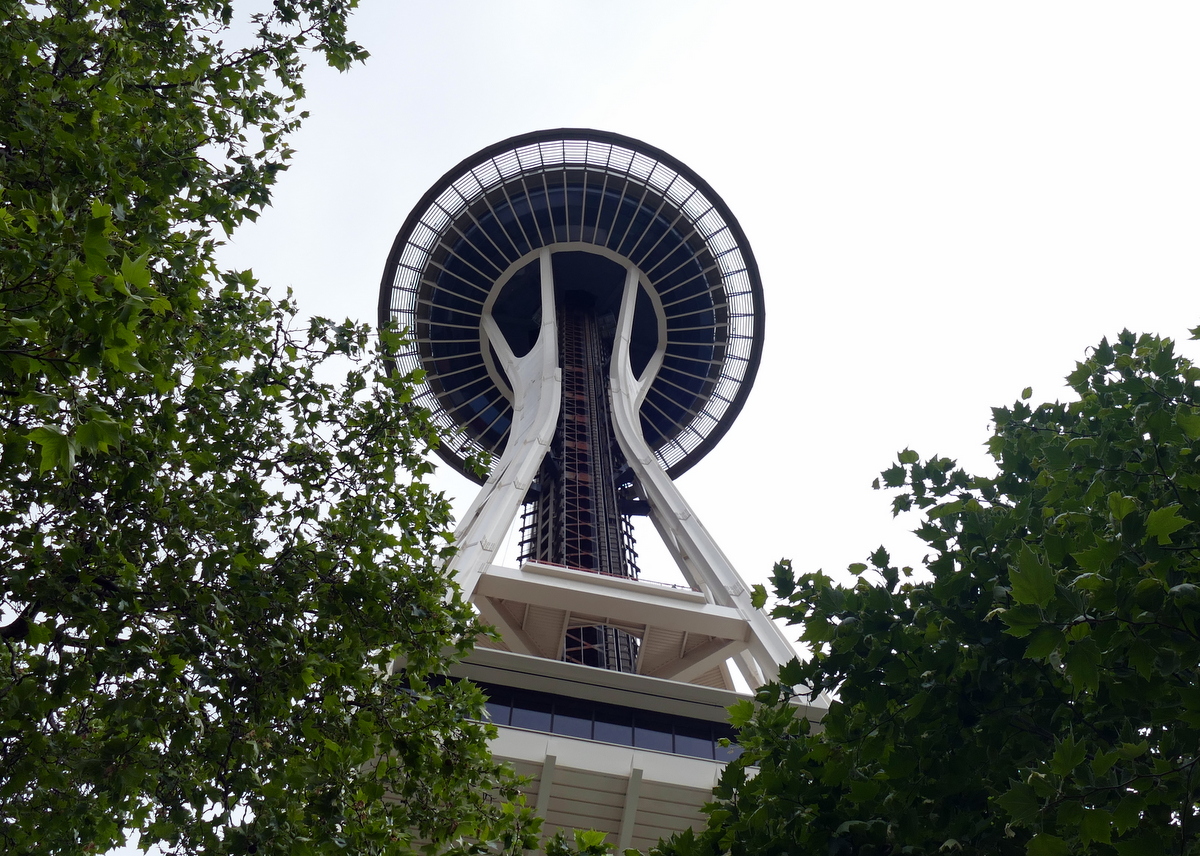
[[543, 190], [702, 274]]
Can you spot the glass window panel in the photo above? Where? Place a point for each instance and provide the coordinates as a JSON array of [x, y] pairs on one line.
[[532, 711], [498, 702], [693, 738], [697, 747], [573, 718], [624, 726], [652, 731], [614, 725], [498, 712]]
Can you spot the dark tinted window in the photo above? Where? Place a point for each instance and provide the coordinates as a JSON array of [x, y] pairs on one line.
[[694, 738], [572, 718], [607, 723], [532, 713], [614, 725], [727, 753], [653, 731], [498, 705]]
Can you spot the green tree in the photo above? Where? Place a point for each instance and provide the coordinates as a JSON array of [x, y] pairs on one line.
[[212, 553], [1035, 691]]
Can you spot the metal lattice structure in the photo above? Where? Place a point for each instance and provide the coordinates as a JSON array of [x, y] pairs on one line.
[[573, 514]]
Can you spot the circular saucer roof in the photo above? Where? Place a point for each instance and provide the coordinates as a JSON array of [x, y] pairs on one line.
[[599, 202]]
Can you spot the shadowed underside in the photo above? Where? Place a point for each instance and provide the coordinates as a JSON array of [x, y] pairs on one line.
[[601, 203]]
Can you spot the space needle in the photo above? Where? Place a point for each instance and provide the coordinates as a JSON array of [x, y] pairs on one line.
[[588, 317]]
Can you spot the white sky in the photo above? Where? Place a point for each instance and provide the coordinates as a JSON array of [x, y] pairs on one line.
[[948, 202]]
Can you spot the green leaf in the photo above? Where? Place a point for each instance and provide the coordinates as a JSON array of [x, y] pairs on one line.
[[863, 791], [1026, 393], [1149, 593], [1142, 656], [96, 244], [1129, 751], [98, 434], [1104, 761], [1144, 843], [1067, 756], [39, 634], [1032, 581], [758, 596], [58, 450], [1188, 420], [1090, 582], [1078, 379], [1021, 804], [945, 510], [1069, 815], [136, 271], [590, 838], [1095, 825], [1099, 557], [893, 476], [908, 456], [1120, 506], [1163, 522], [791, 673], [1046, 640], [1043, 844], [1128, 813], [1082, 662], [1021, 620], [783, 580], [741, 712]]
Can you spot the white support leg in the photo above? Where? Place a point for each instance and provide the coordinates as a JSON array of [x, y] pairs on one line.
[[701, 560], [537, 396]]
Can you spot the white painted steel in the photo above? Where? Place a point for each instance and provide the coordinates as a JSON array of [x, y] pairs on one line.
[[754, 643], [537, 397], [586, 593], [700, 559]]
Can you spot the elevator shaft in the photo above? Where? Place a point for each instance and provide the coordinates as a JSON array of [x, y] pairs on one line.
[[573, 515]]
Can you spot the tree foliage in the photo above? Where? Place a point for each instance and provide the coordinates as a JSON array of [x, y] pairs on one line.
[[212, 552], [1037, 693]]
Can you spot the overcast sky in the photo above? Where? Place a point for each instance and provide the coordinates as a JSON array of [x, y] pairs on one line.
[[948, 202]]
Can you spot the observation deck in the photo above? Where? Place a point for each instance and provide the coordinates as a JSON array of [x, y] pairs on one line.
[[602, 204]]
